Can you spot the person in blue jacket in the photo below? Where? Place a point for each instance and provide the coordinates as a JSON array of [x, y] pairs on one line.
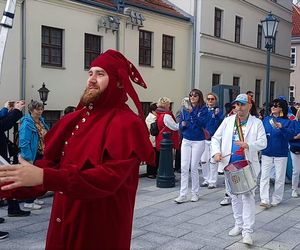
[[210, 170], [8, 106], [192, 123], [279, 130], [295, 155], [31, 140]]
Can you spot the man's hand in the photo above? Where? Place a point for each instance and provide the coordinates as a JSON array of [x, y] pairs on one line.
[[20, 175], [218, 157], [242, 144], [297, 136], [183, 123]]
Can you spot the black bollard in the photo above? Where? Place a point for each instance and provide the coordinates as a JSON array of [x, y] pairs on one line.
[[165, 177]]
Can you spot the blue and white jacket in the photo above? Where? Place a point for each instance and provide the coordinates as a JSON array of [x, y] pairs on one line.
[[3, 112], [215, 119], [29, 137], [293, 142], [278, 139], [195, 123]]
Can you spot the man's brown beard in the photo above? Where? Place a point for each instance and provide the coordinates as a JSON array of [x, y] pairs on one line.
[[89, 97]]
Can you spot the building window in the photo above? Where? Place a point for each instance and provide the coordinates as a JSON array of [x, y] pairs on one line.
[[272, 90], [257, 92], [293, 56], [236, 81], [92, 48], [216, 79], [238, 29], [259, 36], [292, 95], [167, 51], [52, 42], [218, 22], [145, 48], [51, 117]]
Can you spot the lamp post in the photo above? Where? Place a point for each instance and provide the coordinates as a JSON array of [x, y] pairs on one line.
[[269, 25], [43, 91]]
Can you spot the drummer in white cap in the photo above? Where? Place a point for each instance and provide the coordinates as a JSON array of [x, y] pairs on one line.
[[240, 137]]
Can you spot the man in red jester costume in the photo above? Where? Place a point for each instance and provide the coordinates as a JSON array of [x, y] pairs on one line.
[[91, 162]]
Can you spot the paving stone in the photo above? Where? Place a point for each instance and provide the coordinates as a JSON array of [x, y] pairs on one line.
[[180, 244], [137, 232], [241, 246], [279, 225], [166, 230], [262, 237], [208, 241], [142, 244], [290, 236], [277, 245], [155, 238], [144, 212], [146, 220]]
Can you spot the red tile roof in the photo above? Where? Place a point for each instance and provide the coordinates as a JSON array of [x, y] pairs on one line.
[[155, 5], [296, 21], [159, 6]]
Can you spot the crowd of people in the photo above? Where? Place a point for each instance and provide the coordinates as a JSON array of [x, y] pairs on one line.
[[211, 141], [94, 179]]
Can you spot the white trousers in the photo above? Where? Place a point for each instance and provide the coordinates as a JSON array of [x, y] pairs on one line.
[[243, 207], [191, 152], [267, 163], [209, 170], [296, 170]]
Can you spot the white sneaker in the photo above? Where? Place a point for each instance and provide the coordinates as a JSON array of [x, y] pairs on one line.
[[247, 239], [211, 186], [204, 184], [181, 199], [226, 201], [235, 231], [265, 204], [39, 202], [194, 198], [32, 206], [274, 204], [294, 193]]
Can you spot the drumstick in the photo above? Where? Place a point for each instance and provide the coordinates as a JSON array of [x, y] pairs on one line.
[[227, 155]]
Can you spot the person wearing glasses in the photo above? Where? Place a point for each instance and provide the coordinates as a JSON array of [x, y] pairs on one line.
[[245, 134], [192, 123], [210, 170], [279, 130]]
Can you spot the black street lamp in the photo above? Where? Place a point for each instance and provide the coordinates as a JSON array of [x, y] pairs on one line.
[[269, 24], [43, 91]]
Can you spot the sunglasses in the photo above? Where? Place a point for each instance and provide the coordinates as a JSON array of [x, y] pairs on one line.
[[275, 106], [211, 99], [193, 95]]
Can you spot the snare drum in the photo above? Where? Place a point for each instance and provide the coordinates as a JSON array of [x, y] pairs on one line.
[[240, 177]]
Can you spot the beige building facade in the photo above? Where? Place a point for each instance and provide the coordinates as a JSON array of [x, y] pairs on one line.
[[26, 61], [230, 48]]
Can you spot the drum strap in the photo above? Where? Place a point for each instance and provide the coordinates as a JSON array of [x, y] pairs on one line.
[[239, 129]]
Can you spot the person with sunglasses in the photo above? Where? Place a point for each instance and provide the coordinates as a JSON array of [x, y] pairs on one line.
[[210, 170], [240, 137], [279, 130], [192, 123]]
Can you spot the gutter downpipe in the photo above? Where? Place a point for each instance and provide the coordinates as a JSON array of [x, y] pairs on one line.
[[192, 83], [23, 50], [197, 41]]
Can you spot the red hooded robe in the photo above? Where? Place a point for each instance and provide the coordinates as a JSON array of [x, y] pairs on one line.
[[91, 161]]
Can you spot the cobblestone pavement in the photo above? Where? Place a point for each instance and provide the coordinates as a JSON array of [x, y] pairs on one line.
[[161, 224]]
